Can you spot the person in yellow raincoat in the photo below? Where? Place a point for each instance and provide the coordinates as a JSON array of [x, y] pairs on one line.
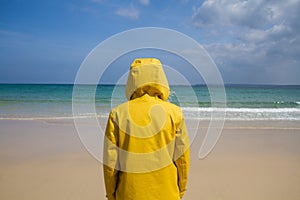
[[146, 146]]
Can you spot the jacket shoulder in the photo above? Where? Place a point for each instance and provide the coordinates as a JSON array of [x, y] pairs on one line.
[[173, 110], [118, 108]]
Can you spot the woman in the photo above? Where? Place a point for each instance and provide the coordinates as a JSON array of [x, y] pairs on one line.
[[146, 149]]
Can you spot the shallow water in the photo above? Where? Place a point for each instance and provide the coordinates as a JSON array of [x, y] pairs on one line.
[[243, 102]]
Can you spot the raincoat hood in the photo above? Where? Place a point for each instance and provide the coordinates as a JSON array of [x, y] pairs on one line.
[[147, 76]]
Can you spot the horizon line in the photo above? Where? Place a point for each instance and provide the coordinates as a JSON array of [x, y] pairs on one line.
[[199, 84]]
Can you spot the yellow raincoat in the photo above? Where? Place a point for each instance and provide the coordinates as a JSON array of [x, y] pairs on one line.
[[146, 148]]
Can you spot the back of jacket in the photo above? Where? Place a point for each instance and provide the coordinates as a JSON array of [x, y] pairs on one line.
[[146, 149]]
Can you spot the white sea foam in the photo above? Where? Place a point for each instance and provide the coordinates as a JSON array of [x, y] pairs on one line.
[[252, 110], [242, 113], [82, 116], [193, 113]]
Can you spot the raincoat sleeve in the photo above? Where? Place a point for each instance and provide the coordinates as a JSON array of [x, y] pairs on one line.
[[110, 158], [182, 157]]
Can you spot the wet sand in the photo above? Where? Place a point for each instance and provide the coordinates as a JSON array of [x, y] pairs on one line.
[[252, 160]]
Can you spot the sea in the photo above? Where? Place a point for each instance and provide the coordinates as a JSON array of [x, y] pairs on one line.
[[243, 102]]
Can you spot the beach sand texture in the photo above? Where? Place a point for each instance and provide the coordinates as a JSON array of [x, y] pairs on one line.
[[252, 160]]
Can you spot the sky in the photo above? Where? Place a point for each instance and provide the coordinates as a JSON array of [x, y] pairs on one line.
[[251, 42]]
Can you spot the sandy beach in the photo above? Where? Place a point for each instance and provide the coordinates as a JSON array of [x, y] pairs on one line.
[[252, 160]]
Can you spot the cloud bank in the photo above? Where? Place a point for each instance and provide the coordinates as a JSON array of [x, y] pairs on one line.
[[255, 39]]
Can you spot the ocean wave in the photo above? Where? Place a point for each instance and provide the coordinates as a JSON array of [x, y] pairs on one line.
[[246, 110], [256, 104], [206, 113], [71, 117], [242, 113]]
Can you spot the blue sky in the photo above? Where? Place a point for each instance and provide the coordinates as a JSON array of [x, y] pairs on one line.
[[252, 42]]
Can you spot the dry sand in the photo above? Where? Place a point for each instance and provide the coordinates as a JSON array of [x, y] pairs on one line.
[[252, 160]]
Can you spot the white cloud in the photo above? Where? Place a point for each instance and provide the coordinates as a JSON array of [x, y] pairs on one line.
[[261, 38], [253, 14], [240, 15], [145, 2], [130, 12]]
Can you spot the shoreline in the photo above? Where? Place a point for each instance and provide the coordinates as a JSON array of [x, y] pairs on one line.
[[227, 122]]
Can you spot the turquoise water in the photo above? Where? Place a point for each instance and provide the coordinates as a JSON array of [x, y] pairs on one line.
[[244, 102]]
